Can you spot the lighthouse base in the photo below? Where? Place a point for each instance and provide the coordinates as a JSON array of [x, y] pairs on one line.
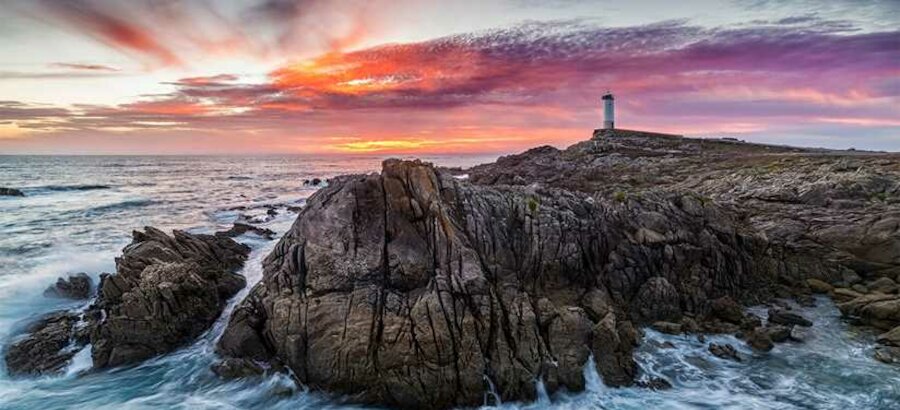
[[618, 132]]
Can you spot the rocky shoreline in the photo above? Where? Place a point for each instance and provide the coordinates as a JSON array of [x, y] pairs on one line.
[[416, 288]]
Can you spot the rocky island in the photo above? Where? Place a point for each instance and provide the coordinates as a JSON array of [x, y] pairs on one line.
[[425, 287]]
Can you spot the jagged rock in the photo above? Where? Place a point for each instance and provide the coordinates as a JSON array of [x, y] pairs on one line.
[[724, 351], [859, 288], [76, 286], [44, 351], [819, 286], [759, 339], [783, 317], [406, 289], [10, 192], [240, 228], [167, 290]]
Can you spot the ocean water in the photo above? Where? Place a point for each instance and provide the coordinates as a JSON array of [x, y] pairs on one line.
[[79, 212]]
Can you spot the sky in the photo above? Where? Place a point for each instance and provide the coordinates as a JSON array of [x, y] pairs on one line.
[[428, 76]]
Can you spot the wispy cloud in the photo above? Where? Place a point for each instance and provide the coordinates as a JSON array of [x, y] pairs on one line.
[[83, 66], [538, 78]]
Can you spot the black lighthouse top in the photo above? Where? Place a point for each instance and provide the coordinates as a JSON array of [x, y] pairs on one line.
[[607, 96]]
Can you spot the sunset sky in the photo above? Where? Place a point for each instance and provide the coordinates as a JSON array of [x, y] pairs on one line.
[[405, 76]]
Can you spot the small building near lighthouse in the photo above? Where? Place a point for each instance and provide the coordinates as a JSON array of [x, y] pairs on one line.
[[609, 111]]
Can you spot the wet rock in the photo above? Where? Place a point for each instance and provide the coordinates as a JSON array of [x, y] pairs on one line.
[[77, 286], [232, 368], [799, 334], [878, 310], [167, 290], [44, 350], [10, 192], [657, 300], [655, 383], [724, 351], [819, 286], [779, 334], [312, 182], [667, 328], [887, 354], [725, 308], [759, 340], [240, 228], [783, 317], [890, 338]]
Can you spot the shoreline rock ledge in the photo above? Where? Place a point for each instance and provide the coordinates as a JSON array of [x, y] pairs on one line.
[[414, 289], [166, 291]]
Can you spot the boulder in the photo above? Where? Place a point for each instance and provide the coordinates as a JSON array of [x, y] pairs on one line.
[[232, 368], [878, 310], [759, 340], [799, 334], [78, 286], [667, 327], [724, 351], [844, 295], [819, 286], [240, 228], [887, 354], [784, 317], [778, 333], [883, 285], [725, 308], [10, 192]]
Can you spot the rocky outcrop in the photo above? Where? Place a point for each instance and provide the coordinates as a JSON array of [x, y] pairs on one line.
[[77, 286], [240, 228], [10, 192], [46, 350], [413, 288], [166, 291]]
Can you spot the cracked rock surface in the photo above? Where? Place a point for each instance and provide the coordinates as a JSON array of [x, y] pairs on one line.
[[412, 288]]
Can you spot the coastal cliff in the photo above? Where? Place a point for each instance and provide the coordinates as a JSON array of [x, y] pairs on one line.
[[418, 288]]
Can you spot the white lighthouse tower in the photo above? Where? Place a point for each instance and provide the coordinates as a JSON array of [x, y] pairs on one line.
[[609, 120]]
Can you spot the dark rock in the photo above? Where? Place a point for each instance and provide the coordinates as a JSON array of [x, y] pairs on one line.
[[312, 182], [725, 308], [859, 288], [655, 383], [778, 333], [167, 290], [408, 288], [10, 192], [783, 317], [759, 340], [724, 351], [844, 295], [667, 328], [883, 285], [76, 286], [44, 350], [240, 228], [232, 368]]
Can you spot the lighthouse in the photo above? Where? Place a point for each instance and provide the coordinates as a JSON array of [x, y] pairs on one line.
[[608, 111]]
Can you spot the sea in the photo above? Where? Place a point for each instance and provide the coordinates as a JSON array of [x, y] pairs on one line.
[[80, 211]]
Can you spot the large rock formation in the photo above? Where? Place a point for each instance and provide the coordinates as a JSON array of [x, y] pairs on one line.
[[414, 289], [166, 291]]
